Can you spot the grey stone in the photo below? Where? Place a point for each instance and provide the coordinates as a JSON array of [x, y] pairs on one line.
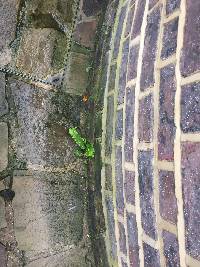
[[3, 103], [3, 146]]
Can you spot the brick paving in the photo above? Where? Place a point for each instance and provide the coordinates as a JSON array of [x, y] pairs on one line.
[[152, 133]]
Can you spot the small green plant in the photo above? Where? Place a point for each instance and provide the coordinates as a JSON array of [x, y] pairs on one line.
[[85, 148]]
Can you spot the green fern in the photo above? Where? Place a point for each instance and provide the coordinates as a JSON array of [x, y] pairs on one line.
[[85, 148]]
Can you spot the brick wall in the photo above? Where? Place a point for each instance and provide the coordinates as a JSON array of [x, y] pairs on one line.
[[151, 135]]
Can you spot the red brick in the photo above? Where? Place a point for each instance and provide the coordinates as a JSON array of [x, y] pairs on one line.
[[145, 131], [145, 169], [171, 249], [172, 5], [152, 3], [138, 19], [119, 180], [129, 187], [133, 240], [109, 125], [122, 238], [190, 108], [190, 61], [166, 132], [119, 124], [151, 256], [191, 196], [129, 123], [150, 48], [170, 39], [129, 20], [132, 64], [108, 177], [123, 72], [168, 204]]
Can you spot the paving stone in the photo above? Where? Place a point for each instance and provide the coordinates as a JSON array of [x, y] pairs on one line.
[[129, 187], [111, 227], [119, 125], [3, 256], [145, 169], [152, 3], [109, 125], [145, 128], [150, 48], [3, 103], [172, 5], [129, 21], [49, 211], [122, 238], [3, 146], [111, 82], [119, 31], [151, 256], [191, 196], [171, 249], [123, 72], [190, 108], [108, 177], [168, 203], [166, 132], [138, 19], [169, 39], [133, 240], [129, 123], [132, 64], [85, 33], [119, 180], [190, 60]]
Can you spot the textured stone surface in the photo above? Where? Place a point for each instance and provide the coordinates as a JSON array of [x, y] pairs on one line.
[[3, 256], [167, 128], [111, 227], [119, 31], [40, 138], [151, 256], [150, 47], [191, 196], [129, 21], [85, 33], [108, 177], [3, 145], [111, 82], [122, 238], [109, 125], [76, 77], [171, 249], [170, 39], [3, 103], [91, 7], [119, 125], [8, 20], [122, 74], [129, 124], [190, 61], [168, 204], [123, 263], [49, 211], [129, 187], [138, 19], [133, 240], [190, 108], [172, 5], [132, 64], [145, 170], [145, 128], [119, 180]]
